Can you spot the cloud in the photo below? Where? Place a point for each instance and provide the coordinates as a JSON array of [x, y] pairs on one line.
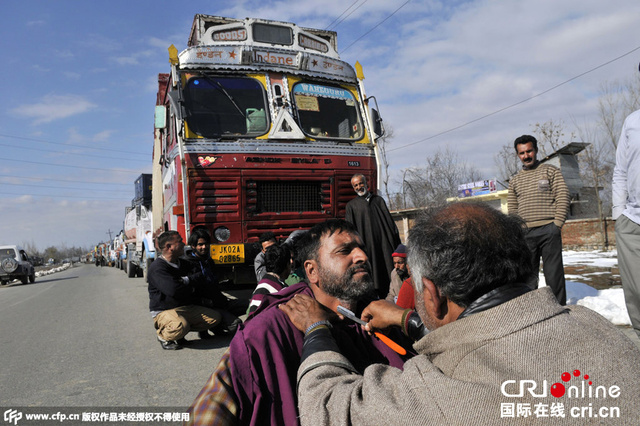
[[54, 107]]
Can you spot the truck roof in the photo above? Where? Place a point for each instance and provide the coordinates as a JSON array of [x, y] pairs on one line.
[[201, 34]]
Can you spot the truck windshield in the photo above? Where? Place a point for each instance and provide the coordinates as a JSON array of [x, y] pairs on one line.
[[225, 107], [327, 111]]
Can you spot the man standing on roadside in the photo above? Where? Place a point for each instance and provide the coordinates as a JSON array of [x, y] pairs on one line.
[[538, 194], [371, 217], [626, 213]]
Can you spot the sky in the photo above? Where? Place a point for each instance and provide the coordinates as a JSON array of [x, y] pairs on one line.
[[79, 86]]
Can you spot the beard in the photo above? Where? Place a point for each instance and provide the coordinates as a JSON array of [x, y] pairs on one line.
[[346, 288], [362, 192], [403, 274]]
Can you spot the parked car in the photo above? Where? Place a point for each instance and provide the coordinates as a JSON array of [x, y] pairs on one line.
[[15, 263]]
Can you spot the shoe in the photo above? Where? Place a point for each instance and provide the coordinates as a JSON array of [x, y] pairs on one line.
[[205, 335], [169, 345]]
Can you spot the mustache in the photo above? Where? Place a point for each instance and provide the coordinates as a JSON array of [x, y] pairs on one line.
[[366, 267]]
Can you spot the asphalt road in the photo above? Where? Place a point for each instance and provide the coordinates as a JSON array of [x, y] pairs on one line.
[[84, 338]]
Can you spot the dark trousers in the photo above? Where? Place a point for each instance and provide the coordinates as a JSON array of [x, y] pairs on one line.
[[546, 242]]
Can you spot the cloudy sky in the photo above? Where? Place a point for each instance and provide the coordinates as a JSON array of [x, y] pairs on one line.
[[79, 83]]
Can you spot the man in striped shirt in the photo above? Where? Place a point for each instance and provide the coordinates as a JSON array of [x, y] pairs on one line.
[[539, 195]]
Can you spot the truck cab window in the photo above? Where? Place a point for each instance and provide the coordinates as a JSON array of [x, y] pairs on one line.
[[327, 111], [225, 106]]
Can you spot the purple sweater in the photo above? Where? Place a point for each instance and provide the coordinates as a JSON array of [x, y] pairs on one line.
[[265, 356]]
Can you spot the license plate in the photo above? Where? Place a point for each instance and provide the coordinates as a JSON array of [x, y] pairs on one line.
[[227, 253]]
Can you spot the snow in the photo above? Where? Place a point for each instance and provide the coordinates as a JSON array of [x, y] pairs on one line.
[[608, 302]]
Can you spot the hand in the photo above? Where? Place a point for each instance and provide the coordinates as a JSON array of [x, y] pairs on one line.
[[304, 311], [381, 314]]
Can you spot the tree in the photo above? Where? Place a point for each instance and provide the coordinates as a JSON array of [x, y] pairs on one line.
[[506, 162], [383, 142], [550, 136], [616, 101], [438, 180]]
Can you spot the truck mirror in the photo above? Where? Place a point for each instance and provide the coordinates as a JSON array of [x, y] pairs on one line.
[[161, 117], [378, 128]]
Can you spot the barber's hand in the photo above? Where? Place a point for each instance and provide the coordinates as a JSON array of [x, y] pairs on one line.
[[381, 314], [303, 311]]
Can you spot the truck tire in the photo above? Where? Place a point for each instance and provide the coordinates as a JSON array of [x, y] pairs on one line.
[[146, 263], [131, 268], [24, 279], [32, 278]]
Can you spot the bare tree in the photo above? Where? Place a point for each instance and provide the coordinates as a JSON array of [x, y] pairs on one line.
[[550, 136], [596, 170], [383, 142], [507, 163], [438, 180], [617, 100]]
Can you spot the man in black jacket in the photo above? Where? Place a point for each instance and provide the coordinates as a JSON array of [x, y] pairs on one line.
[[173, 294], [209, 293]]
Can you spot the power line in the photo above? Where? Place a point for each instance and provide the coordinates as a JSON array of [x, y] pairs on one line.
[[62, 196], [64, 180], [66, 165], [517, 103], [69, 144], [62, 187], [345, 11], [68, 153], [350, 13], [376, 26]]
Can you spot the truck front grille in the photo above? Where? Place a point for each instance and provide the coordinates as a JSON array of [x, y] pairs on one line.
[[288, 196]]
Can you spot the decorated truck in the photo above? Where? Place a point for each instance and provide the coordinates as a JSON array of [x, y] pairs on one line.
[[140, 249], [259, 126]]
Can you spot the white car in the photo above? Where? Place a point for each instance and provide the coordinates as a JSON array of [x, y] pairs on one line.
[[15, 263]]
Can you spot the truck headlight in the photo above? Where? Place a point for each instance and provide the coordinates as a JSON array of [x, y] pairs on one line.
[[222, 233]]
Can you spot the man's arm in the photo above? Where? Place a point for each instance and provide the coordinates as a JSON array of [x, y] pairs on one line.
[[562, 198], [258, 266], [619, 186], [330, 391], [216, 403], [171, 285], [512, 198]]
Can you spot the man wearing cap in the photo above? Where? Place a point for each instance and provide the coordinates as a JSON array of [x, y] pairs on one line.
[[626, 213], [400, 272]]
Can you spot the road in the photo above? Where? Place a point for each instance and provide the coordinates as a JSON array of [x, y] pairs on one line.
[[83, 337]]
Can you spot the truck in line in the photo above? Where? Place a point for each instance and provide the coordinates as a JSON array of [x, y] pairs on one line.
[[138, 235], [259, 126]]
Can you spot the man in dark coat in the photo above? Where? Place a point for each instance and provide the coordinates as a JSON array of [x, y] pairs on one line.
[[371, 217]]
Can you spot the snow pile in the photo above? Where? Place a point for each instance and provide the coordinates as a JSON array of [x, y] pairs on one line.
[[53, 270], [609, 302]]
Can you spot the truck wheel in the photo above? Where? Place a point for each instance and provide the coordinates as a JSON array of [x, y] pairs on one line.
[[146, 263], [131, 268], [32, 278], [24, 279]]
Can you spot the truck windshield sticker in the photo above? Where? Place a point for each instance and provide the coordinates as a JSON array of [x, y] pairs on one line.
[[322, 91]]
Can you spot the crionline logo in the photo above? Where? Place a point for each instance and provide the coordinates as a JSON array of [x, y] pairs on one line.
[[518, 388], [12, 416]]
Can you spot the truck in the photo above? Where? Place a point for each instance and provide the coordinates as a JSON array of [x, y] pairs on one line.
[[259, 126], [138, 236]]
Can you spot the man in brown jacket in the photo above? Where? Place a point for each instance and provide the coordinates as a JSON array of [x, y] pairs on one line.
[[498, 351]]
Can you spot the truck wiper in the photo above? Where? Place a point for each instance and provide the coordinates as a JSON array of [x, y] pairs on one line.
[[223, 90]]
